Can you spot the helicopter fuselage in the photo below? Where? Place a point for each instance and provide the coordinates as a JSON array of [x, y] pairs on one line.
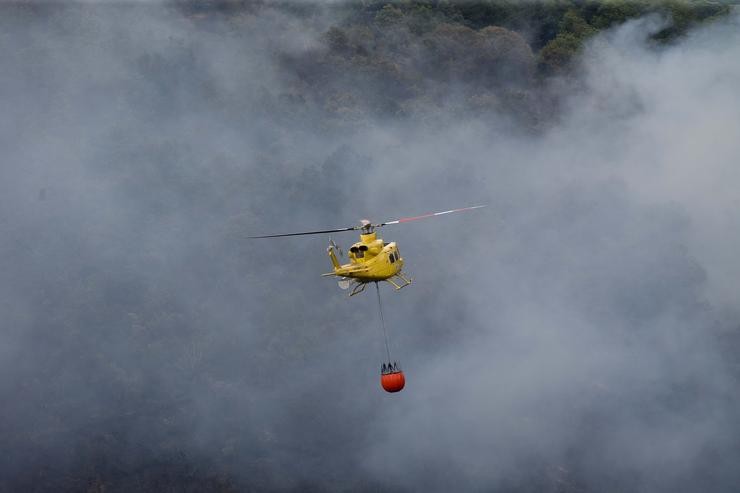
[[370, 260]]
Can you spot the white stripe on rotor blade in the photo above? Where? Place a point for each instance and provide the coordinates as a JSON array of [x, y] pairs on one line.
[[414, 218]]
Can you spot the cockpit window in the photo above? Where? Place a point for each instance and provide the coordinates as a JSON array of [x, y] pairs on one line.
[[392, 257]]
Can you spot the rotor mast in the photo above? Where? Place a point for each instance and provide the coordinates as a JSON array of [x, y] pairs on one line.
[[366, 227]]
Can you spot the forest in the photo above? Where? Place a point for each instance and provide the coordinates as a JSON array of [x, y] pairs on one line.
[[581, 335], [401, 58]]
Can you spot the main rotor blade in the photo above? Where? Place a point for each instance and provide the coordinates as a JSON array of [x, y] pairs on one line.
[[308, 233], [432, 214]]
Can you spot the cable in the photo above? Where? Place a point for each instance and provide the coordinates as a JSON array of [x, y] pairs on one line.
[[382, 323]]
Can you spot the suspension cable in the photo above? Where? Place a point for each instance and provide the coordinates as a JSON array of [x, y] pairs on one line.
[[382, 323]]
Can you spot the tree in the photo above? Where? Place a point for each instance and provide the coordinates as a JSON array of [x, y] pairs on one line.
[[389, 15], [557, 56], [574, 24], [337, 40], [507, 55]]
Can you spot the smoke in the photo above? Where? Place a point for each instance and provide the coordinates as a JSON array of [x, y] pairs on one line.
[[576, 335]]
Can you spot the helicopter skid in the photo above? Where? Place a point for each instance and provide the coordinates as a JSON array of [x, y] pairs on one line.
[[402, 281]]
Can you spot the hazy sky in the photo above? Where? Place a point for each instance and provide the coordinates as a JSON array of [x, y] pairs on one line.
[[576, 335]]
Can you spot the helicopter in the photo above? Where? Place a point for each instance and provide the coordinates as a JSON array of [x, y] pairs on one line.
[[371, 259]]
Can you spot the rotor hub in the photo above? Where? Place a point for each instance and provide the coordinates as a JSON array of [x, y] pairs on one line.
[[366, 226]]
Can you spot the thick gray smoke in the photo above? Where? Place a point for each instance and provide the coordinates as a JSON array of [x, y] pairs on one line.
[[579, 334]]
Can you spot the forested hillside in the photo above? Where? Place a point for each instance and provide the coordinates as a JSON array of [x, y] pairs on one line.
[[410, 57]]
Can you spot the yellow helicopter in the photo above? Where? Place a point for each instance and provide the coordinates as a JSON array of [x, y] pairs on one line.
[[370, 259]]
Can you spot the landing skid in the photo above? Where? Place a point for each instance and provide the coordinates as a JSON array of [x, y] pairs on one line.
[[402, 281]]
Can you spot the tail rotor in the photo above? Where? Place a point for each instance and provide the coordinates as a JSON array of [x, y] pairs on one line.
[[335, 247]]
